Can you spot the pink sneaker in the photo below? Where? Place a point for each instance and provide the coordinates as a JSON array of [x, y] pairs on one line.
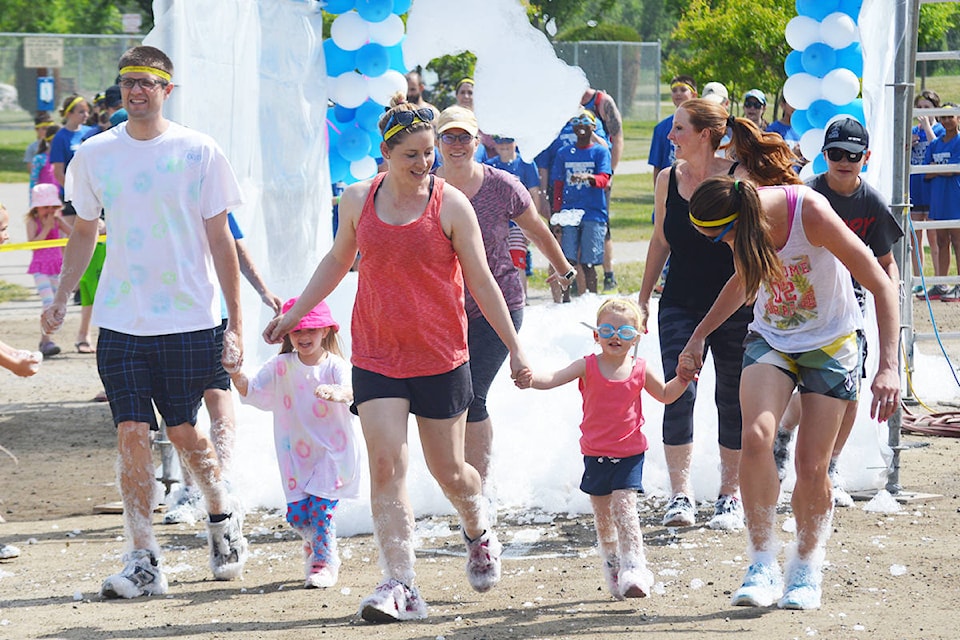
[[611, 574], [393, 601], [635, 581], [483, 561]]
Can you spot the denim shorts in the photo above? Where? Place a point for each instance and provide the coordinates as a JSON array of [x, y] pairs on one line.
[[438, 397], [832, 371], [583, 244], [170, 371], [602, 475]]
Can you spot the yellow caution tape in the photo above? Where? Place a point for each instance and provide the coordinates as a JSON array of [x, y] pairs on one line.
[[40, 244]]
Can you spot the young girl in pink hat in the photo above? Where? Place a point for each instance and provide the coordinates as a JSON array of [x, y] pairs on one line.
[[307, 388], [44, 222]]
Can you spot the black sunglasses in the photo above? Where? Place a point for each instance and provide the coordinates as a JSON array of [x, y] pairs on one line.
[[836, 155], [753, 104], [406, 118]]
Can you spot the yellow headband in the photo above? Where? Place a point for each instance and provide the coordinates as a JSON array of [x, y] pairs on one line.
[[160, 73], [44, 125], [72, 104], [707, 224], [682, 84], [397, 128]]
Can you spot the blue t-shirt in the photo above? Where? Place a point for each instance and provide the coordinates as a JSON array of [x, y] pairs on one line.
[[525, 171], [786, 132], [920, 188], [573, 159], [65, 144], [944, 190], [662, 154], [545, 158]]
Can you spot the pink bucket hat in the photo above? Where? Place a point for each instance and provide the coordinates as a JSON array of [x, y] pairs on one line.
[[45, 195], [316, 318]]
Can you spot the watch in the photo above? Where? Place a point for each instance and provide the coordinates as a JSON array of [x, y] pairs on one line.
[[570, 275]]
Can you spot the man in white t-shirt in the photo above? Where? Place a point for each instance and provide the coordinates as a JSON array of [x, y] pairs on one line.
[[165, 191]]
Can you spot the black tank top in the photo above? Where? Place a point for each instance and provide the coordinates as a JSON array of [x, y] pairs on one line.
[[699, 268]]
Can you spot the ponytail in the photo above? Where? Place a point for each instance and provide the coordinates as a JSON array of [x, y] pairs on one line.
[[754, 253], [766, 156]]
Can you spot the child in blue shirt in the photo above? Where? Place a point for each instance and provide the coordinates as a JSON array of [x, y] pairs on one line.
[[945, 196], [580, 174]]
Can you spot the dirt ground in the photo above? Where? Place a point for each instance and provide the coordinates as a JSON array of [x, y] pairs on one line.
[[890, 575]]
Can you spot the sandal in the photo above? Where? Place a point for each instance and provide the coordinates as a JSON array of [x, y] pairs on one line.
[[84, 347], [100, 397]]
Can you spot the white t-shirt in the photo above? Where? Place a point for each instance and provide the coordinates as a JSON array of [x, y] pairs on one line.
[[318, 447], [158, 277]]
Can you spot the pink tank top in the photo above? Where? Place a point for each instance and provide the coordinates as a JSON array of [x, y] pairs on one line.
[[612, 412], [408, 318]]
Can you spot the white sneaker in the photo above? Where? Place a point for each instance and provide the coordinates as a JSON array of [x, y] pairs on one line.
[[840, 497], [611, 575], [761, 587], [141, 576], [635, 581], [680, 512], [321, 576], [727, 514], [8, 552], [228, 547], [187, 507], [483, 561], [393, 601], [803, 587]]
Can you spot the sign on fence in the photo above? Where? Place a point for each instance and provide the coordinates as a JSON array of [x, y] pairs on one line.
[[43, 52]]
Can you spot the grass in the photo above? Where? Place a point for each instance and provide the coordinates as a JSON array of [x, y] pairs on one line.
[[10, 292], [13, 142]]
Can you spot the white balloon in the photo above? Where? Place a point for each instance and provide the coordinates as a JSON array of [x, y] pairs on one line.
[[810, 144], [349, 90], [388, 32], [382, 88], [363, 168], [801, 89], [801, 32], [349, 31], [839, 30], [840, 86], [806, 171]]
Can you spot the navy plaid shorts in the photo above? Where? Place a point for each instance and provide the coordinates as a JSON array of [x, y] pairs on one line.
[[170, 371]]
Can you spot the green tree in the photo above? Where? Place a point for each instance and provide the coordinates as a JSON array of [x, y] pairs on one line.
[[744, 49], [938, 29]]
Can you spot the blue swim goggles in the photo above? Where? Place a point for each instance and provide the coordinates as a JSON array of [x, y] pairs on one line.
[[624, 332]]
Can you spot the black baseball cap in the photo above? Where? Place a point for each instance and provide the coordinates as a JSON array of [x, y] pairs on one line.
[[847, 134], [111, 97]]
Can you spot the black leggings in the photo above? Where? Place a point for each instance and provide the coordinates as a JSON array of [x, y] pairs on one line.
[[487, 353]]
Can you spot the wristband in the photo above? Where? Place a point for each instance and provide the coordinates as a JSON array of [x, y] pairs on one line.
[[570, 275]]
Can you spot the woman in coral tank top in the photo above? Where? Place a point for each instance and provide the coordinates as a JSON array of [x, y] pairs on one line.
[[420, 242]]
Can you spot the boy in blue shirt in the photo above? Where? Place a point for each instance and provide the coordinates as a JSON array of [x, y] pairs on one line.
[[580, 174], [945, 202]]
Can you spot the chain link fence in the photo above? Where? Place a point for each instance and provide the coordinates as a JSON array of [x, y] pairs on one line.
[[628, 71]]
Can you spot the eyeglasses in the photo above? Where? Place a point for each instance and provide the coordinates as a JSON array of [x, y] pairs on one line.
[[406, 118], [147, 84], [584, 120], [837, 155], [451, 138], [719, 238], [752, 104], [624, 332], [502, 140]]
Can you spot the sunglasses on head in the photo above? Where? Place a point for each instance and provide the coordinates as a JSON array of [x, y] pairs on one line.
[[752, 104], [624, 332], [837, 155], [406, 118], [451, 138]]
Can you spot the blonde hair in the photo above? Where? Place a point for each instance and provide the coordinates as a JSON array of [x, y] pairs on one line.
[[399, 103], [623, 306], [330, 343]]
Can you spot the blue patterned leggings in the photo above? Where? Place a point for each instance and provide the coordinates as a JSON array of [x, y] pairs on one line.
[[312, 518]]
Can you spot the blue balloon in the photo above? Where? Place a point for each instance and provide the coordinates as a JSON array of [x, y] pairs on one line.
[[819, 113], [396, 57], [343, 114], [368, 116], [820, 164], [816, 9], [338, 61], [851, 8], [338, 6], [354, 143], [793, 63], [374, 10], [819, 59], [854, 109], [339, 167], [799, 122], [373, 59], [400, 7], [851, 58]]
